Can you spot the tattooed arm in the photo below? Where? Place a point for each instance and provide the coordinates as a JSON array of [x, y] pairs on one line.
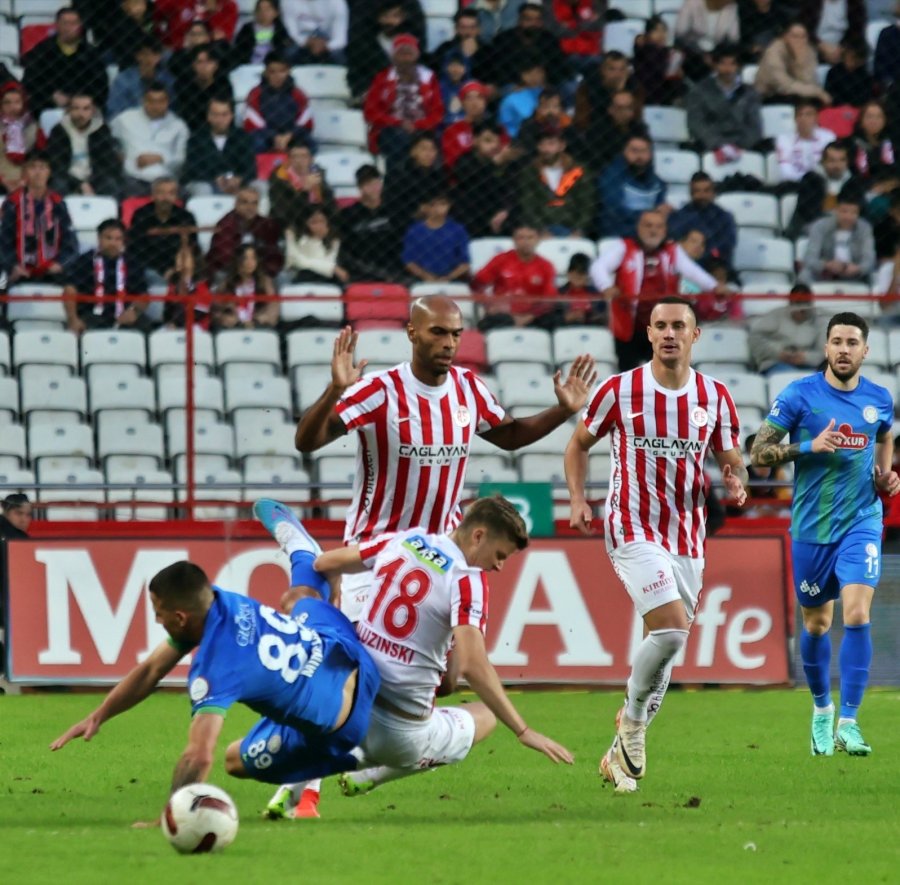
[[769, 451]]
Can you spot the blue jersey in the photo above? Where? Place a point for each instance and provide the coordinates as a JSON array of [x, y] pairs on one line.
[[289, 669], [833, 492]]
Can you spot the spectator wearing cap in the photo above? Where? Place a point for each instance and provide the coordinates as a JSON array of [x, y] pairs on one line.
[[619, 121], [370, 245], [555, 193], [436, 249], [62, 64], [788, 338], [37, 239], [529, 39], [404, 98], [518, 105], [723, 112], [18, 131], [702, 214], [457, 137], [800, 151], [629, 187], [277, 111], [318, 29], [484, 198], [549, 114], [264, 34], [841, 246], [129, 85]]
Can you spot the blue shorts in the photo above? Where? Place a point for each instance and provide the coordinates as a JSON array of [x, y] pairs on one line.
[[821, 570], [279, 754]]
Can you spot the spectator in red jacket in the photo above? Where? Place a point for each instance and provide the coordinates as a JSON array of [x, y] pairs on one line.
[[403, 99], [277, 110], [580, 28], [516, 278], [173, 18], [457, 137], [245, 225]]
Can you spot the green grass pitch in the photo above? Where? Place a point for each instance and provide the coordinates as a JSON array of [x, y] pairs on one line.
[[731, 796]]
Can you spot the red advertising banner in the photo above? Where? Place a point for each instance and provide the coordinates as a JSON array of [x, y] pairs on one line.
[[79, 612]]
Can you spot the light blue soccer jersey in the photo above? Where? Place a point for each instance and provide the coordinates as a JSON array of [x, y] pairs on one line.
[[833, 492], [290, 669]]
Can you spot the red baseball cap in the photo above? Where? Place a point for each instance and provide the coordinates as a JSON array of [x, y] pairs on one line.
[[473, 86], [405, 40]]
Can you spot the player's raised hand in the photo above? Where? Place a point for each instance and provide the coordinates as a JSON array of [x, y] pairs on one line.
[[573, 393], [737, 494], [828, 440], [540, 742], [343, 372], [87, 728], [888, 482], [581, 517]]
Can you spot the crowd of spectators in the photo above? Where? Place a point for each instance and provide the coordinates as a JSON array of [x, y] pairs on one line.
[[518, 125]]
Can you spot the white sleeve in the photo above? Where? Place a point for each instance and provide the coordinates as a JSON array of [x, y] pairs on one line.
[[692, 272], [603, 270], [783, 152], [339, 18]]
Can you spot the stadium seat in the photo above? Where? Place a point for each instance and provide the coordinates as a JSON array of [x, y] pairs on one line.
[[519, 346], [749, 163], [210, 438], [46, 347], [9, 39], [12, 442], [19, 480], [9, 400], [752, 210], [5, 353], [335, 475], [676, 167], [336, 127], [667, 126], [377, 301], [322, 83], [385, 346], [236, 371], [559, 251], [481, 465], [320, 301], [437, 32], [267, 163], [748, 74], [439, 8], [259, 393], [310, 347], [24, 307], [770, 297], [879, 355], [831, 303], [72, 484], [74, 441], [780, 380], [534, 393], [722, 345], [541, 468], [119, 346], [87, 213], [619, 36], [461, 293], [472, 351], [288, 484], [747, 389], [208, 394], [109, 390], [131, 439], [219, 485], [248, 346], [777, 119], [130, 205], [170, 346], [343, 447], [55, 394], [340, 167], [839, 120], [208, 211], [571, 341], [309, 384], [138, 494], [497, 474], [770, 254], [483, 249], [245, 78], [270, 437], [786, 208], [554, 443]]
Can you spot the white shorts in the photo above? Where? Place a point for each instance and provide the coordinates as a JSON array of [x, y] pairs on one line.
[[654, 577], [354, 593], [446, 737]]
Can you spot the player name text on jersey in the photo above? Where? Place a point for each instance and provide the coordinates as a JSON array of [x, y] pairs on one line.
[[394, 650]]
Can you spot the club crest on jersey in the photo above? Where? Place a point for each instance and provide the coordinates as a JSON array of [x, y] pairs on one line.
[[699, 416], [462, 417], [870, 414], [426, 554], [853, 440], [199, 689]]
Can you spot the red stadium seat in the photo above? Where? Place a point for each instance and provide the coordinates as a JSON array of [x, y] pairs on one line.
[[31, 35], [377, 301], [266, 164], [839, 120], [130, 205], [344, 202], [472, 352]]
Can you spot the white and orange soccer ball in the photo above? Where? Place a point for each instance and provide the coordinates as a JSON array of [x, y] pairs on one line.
[[199, 818]]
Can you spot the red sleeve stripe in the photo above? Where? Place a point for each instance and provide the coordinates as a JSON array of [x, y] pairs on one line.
[[361, 395], [369, 550], [493, 414]]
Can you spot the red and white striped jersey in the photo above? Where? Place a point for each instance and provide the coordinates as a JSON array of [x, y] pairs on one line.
[[413, 448], [422, 588], [659, 440]]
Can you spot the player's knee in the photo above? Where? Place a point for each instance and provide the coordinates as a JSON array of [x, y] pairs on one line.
[[856, 613], [670, 641], [816, 623]]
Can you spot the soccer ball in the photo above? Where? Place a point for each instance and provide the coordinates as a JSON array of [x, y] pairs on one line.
[[199, 818]]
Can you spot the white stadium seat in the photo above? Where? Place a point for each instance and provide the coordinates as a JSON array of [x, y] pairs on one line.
[[72, 481], [676, 167], [248, 346], [12, 442], [110, 391], [138, 494], [524, 391], [749, 163], [47, 347], [118, 346], [559, 251], [437, 31], [270, 437], [208, 210], [483, 249], [340, 166], [9, 400], [259, 393], [210, 438], [310, 347], [221, 485], [25, 308], [291, 484], [321, 301], [571, 341], [61, 440], [170, 346], [54, 394], [719, 344], [752, 209], [620, 35], [87, 213], [779, 380], [746, 389], [208, 394], [309, 384], [382, 346], [667, 126], [770, 254], [245, 78], [519, 345], [541, 468], [777, 119], [131, 439], [341, 127], [322, 82]]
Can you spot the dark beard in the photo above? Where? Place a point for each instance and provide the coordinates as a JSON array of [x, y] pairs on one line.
[[843, 377], [638, 171]]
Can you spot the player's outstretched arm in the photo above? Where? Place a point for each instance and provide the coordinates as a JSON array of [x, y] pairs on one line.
[[340, 561], [473, 665], [319, 424], [129, 692], [572, 395], [575, 462], [769, 451], [197, 759]]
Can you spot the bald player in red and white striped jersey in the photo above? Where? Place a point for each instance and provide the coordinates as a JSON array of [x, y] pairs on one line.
[[662, 417]]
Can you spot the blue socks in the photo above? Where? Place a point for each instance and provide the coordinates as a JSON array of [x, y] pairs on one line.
[[815, 652], [855, 658], [304, 575]]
